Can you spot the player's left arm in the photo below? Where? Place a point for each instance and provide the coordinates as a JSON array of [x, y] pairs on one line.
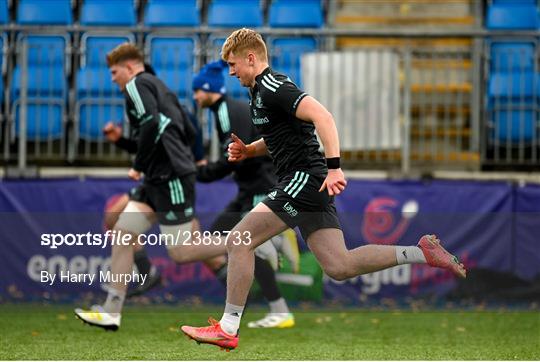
[[310, 110]]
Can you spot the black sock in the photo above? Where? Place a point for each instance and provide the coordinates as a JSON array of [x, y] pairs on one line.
[[143, 262], [221, 274], [266, 277]]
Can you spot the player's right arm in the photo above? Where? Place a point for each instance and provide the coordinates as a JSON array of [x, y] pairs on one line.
[[239, 151], [113, 134]]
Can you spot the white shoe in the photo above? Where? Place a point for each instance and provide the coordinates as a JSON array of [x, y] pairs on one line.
[[274, 320], [287, 244], [268, 252], [98, 317]]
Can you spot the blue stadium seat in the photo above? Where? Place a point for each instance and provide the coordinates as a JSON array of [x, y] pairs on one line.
[[513, 16], [234, 13], [173, 59], [99, 101], [94, 47], [108, 13], [296, 14], [43, 82], [96, 82], [39, 12], [514, 125], [286, 54], [167, 52], [46, 85], [45, 119], [172, 13], [504, 87], [513, 2], [511, 56], [4, 16], [512, 105], [94, 115]]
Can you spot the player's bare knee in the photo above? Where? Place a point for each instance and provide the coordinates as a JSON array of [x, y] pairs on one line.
[[337, 271]]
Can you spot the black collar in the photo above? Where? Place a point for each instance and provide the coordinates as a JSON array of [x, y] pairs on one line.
[[258, 78]]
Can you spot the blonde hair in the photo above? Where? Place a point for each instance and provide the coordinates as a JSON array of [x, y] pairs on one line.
[[243, 40], [123, 52]]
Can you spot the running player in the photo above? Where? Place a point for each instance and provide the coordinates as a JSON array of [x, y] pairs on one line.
[[304, 196], [254, 177], [161, 137]]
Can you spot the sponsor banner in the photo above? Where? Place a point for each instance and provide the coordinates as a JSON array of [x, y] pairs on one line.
[[487, 224], [526, 240]]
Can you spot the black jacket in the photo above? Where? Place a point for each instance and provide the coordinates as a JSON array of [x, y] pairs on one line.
[[161, 132]]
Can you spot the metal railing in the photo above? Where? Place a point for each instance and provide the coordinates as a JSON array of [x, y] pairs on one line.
[[406, 107]]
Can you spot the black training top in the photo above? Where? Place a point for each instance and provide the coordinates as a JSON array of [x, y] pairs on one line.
[[254, 175], [291, 142], [161, 132]]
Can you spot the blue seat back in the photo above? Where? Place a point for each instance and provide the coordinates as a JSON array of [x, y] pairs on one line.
[[286, 54], [296, 14], [95, 113], [44, 50], [43, 120], [43, 82], [513, 125], [4, 15], [96, 47], [95, 82], [512, 87], [172, 13], [39, 12], [108, 13], [507, 57], [167, 52], [516, 16], [177, 80], [233, 13]]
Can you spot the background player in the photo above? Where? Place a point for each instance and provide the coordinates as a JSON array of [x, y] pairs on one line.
[[161, 140]]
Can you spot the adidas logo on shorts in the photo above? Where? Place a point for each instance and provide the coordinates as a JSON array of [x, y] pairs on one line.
[[272, 195], [171, 216]]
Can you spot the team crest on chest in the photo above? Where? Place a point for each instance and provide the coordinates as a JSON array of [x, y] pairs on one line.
[[258, 101]]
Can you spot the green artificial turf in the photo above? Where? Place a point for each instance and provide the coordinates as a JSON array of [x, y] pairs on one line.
[[52, 332]]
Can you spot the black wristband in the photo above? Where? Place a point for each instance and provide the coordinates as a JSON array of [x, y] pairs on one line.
[[332, 163]]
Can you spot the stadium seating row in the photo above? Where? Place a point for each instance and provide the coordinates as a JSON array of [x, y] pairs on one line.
[[96, 99], [168, 13]]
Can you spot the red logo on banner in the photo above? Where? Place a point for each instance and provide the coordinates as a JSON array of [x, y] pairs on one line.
[[381, 226]]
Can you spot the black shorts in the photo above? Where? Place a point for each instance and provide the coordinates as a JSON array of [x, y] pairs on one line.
[[173, 200], [297, 201], [235, 210]]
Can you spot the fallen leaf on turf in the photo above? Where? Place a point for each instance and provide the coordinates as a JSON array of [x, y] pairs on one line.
[[35, 333], [61, 317]]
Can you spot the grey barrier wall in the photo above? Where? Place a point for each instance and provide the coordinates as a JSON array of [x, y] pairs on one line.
[[410, 108]]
